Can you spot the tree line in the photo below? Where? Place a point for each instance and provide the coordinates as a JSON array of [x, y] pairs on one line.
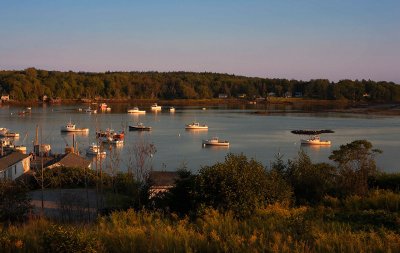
[[31, 84]]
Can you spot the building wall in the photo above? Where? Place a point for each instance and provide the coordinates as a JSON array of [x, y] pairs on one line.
[[16, 170]]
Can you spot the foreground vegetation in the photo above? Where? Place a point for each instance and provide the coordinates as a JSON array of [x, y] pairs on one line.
[[234, 206], [32, 84], [274, 228]]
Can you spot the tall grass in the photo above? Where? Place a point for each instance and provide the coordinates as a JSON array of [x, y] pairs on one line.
[[272, 229]]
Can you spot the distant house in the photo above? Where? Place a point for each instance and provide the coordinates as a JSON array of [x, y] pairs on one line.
[[70, 160], [5, 98], [162, 181], [222, 95], [366, 95], [14, 165], [45, 98], [271, 94]]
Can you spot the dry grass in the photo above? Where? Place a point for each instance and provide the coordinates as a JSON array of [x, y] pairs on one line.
[[272, 229]]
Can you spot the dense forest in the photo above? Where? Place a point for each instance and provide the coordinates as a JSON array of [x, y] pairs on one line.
[[32, 84]]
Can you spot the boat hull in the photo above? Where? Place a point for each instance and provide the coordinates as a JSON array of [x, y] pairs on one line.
[[79, 130], [136, 128], [94, 153], [315, 142], [218, 144], [136, 112]]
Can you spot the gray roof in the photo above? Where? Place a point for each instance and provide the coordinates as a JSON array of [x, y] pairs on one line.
[[11, 159], [163, 178], [70, 160]]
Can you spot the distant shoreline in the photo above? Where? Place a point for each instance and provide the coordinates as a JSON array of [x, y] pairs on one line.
[[338, 106]]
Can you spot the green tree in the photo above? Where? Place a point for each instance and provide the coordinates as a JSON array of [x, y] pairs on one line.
[[236, 185], [356, 163], [181, 199], [310, 182]]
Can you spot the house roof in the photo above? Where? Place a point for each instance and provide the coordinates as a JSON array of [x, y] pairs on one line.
[[70, 160], [11, 159], [163, 178]]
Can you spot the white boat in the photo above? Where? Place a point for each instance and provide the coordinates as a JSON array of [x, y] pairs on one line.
[[215, 141], [111, 140], [195, 125], [6, 143], [155, 107], [172, 109], [3, 131], [315, 140], [10, 134], [20, 148], [90, 110], [136, 110], [70, 128], [95, 150]]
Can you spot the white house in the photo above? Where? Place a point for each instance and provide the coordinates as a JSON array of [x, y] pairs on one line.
[[14, 165]]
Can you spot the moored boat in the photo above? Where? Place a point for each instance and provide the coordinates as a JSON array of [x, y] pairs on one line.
[[12, 135], [155, 107], [136, 110], [110, 137], [95, 150], [215, 141], [102, 106], [70, 128], [172, 109], [139, 127], [90, 110], [119, 136], [3, 131], [195, 125], [315, 140]]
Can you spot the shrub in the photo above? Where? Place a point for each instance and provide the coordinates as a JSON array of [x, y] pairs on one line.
[[62, 239], [236, 185], [14, 201], [356, 164], [310, 182]]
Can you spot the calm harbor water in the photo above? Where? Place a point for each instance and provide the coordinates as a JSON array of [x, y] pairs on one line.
[[257, 136]]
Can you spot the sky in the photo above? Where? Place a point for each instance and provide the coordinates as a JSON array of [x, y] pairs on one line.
[[293, 39]]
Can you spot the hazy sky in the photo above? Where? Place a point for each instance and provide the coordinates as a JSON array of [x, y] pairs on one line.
[[300, 39]]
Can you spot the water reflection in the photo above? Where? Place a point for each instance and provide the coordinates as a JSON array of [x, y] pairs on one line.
[[212, 147], [75, 133], [197, 131], [253, 135]]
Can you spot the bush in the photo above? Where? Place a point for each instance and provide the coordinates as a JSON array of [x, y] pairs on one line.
[[310, 182], [388, 181], [14, 201], [62, 239], [356, 165], [237, 185], [181, 199]]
